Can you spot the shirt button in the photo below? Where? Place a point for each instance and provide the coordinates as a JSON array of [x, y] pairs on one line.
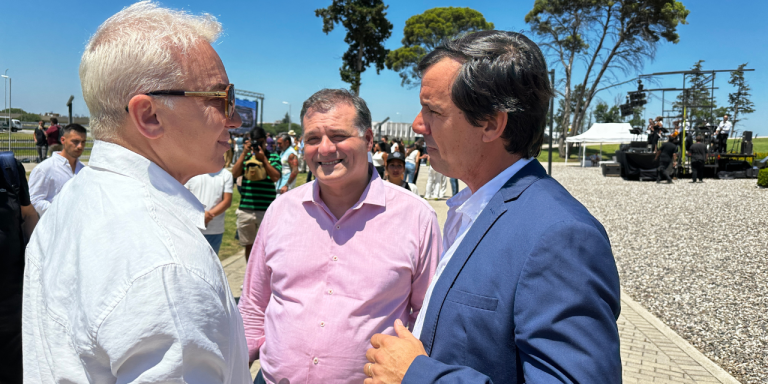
[[322, 323], [338, 227], [335, 258], [315, 361], [330, 291]]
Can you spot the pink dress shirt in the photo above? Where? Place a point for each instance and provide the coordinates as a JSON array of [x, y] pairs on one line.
[[316, 288]]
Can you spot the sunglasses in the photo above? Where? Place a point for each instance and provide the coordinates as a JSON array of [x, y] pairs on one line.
[[228, 93]]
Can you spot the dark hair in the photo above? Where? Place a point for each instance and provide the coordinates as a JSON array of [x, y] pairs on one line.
[[73, 127], [326, 99], [54, 120], [256, 134], [500, 72]]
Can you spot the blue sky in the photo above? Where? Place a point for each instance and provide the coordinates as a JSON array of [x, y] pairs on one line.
[[278, 48]]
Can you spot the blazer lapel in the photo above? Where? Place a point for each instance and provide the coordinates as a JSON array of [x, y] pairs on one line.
[[495, 208]]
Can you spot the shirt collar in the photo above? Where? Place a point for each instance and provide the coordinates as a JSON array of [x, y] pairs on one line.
[[471, 204], [120, 160], [63, 160], [374, 193]]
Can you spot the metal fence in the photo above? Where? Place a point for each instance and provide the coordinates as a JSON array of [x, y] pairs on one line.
[[25, 149]]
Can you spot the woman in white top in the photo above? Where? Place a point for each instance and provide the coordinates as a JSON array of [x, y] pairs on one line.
[[412, 159], [379, 159]]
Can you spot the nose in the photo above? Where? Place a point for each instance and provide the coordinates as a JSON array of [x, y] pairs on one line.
[[419, 126], [326, 147], [234, 122]]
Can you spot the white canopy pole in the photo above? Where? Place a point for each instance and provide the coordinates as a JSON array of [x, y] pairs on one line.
[[566, 153]]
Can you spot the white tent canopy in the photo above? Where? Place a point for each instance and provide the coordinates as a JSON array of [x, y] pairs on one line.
[[601, 133], [604, 133]]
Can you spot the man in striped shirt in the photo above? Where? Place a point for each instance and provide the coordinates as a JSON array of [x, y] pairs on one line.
[[255, 196]]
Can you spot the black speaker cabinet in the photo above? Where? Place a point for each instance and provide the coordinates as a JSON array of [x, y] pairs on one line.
[[746, 147], [747, 136], [611, 170]]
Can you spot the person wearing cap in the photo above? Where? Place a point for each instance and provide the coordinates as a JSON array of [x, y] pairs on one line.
[[289, 160], [396, 171], [311, 302]]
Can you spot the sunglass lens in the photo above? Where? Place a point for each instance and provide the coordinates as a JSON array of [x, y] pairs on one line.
[[231, 100]]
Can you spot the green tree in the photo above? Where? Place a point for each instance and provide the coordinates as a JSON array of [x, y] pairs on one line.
[[606, 35], [605, 114], [637, 117], [367, 29], [739, 100], [424, 32], [286, 119], [697, 98]]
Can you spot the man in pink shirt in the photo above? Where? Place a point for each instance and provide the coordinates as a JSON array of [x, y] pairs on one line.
[[364, 257]]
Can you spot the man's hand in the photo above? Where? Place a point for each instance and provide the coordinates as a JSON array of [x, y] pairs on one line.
[[284, 189], [391, 356], [246, 147], [260, 156], [208, 217]]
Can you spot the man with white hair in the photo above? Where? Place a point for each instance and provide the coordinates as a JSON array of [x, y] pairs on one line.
[[120, 285]]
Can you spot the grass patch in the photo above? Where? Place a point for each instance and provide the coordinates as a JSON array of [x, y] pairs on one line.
[[229, 245]]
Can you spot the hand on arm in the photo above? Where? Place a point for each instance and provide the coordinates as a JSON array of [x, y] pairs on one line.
[[221, 207], [391, 356]]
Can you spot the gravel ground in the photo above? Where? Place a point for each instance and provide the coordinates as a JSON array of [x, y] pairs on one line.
[[696, 256]]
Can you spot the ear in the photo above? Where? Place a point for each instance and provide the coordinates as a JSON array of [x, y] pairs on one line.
[[494, 127], [369, 138], [143, 113]]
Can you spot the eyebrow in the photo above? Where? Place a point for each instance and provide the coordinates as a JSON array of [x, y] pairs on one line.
[[218, 87]]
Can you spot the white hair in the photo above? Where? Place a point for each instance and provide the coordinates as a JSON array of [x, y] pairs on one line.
[[138, 50]]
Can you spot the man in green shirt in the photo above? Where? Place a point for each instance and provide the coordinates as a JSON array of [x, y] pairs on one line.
[[255, 196]]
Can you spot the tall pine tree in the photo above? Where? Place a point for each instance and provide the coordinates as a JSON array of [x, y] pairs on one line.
[[739, 100]]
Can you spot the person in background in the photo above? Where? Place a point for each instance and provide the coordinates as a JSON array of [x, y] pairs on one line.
[[698, 154], [49, 177], [396, 172], [41, 142], [721, 134], [53, 135], [379, 158], [289, 163], [255, 195], [454, 186], [384, 144], [214, 190], [17, 221], [437, 183], [412, 160], [666, 155], [653, 134], [311, 301], [270, 143], [394, 146]]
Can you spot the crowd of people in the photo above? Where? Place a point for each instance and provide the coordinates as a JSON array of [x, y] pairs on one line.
[[349, 278]]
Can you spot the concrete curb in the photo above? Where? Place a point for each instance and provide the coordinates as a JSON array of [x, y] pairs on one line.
[[695, 354], [229, 260]]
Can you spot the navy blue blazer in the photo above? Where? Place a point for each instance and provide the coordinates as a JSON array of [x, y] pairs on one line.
[[530, 296]]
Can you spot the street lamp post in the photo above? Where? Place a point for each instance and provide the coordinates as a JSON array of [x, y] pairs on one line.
[[10, 95], [289, 114]]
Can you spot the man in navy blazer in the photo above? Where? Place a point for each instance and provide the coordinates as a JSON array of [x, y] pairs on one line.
[[527, 290]]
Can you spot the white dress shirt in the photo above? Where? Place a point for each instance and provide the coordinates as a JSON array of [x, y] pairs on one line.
[[121, 286], [725, 127], [463, 210], [210, 189], [48, 178]]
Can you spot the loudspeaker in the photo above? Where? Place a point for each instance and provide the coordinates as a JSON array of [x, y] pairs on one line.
[[752, 173], [611, 170], [638, 144], [746, 147], [747, 136]]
